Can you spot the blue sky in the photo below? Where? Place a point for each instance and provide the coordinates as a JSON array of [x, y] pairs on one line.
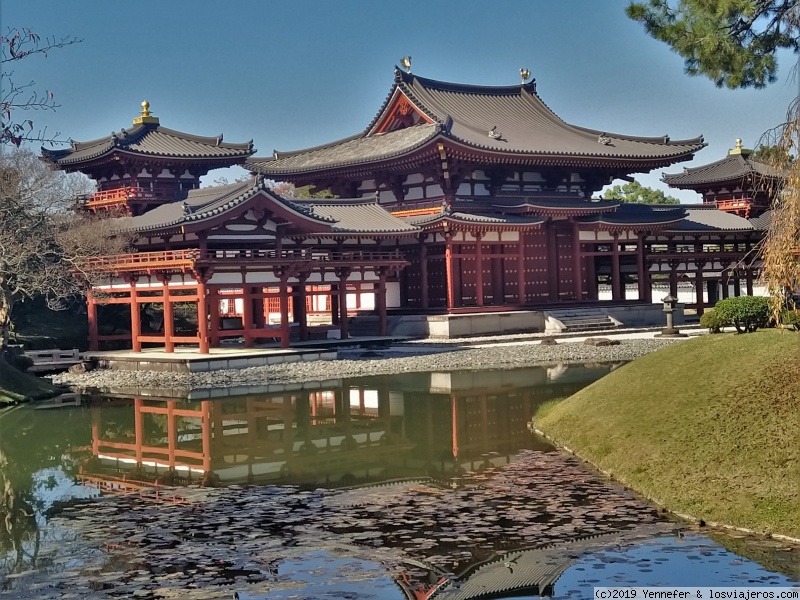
[[305, 72]]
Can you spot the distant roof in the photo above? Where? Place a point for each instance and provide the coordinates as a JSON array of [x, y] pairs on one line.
[[150, 140], [709, 218], [357, 216], [511, 120], [734, 168], [762, 222], [497, 220], [630, 213]]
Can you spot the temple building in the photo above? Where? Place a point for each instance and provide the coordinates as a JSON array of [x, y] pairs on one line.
[[739, 183], [455, 201]]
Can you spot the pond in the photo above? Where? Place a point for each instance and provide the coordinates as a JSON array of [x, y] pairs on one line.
[[426, 485]]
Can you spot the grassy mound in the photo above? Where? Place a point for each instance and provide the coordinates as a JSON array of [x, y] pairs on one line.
[[16, 386], [708, 427]]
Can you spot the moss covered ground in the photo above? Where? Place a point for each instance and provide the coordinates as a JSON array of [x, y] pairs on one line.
[[16, 386], [708, 427]]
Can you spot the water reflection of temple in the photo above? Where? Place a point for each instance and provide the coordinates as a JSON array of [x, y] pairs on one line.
[[357, 431]]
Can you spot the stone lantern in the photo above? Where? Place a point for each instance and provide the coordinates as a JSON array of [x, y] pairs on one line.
[[669, 308]]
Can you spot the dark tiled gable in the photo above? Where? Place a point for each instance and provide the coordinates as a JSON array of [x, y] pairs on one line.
[[342, 216], [357, 216], [732, 168], [151, 140], [352, 150], [524, 127]]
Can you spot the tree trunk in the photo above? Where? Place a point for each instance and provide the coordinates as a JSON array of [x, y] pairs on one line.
[[6, 304]]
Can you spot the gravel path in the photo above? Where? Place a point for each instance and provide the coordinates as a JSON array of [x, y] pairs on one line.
[[402, 358]]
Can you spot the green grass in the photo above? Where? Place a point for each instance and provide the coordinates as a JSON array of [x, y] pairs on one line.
[[708, 427], [16, 386]]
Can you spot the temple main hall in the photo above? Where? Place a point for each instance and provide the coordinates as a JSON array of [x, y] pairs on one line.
[[455, 200]]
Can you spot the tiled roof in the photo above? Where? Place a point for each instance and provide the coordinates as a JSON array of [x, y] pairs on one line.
[[525, 123], [357, 215], [464, 217], [762, 221], [521, 124], [555, 203], [150, 140], [207, 203], [699, 218], [629, 213], [732, 168], [352, 150]]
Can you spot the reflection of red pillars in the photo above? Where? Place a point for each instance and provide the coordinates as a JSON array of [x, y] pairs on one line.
[[138, 424], [454, 413], [172, 435], [205, 408], [95, 432], [91, 314]]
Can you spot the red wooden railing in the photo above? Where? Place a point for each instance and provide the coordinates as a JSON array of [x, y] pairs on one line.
[[171, 259], [118, 196]]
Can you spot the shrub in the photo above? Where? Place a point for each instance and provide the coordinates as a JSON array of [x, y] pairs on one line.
[[790, 319], [746, 313], [711, 320]]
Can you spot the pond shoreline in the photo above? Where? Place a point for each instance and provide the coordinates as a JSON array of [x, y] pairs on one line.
[[400, 358]]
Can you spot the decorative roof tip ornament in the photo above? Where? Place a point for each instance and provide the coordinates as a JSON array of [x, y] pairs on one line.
[[604, 139], [494, 134], [145, 117], [405, 62], [525, 74], [739, 149]]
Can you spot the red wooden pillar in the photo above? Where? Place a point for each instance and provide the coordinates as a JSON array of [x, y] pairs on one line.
[[91, 315], [342, 294], [301, 313], [423, 273], [642, 279], [615, 278], [552, 262], [698, 284], [169, 319], [247, 315], [448, 263], [380, 301], [521, 296], [214, 318], [591, 278], [136, 325], [202, 316], [284, 307], [478, 269], [577, 262]]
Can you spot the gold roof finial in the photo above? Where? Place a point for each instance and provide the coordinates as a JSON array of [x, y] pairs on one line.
[[739, 149], [406, 63], [525, 74], [145, 117]]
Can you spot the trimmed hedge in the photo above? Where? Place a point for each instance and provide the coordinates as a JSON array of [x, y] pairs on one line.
[[746, 313], [711, 320]]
